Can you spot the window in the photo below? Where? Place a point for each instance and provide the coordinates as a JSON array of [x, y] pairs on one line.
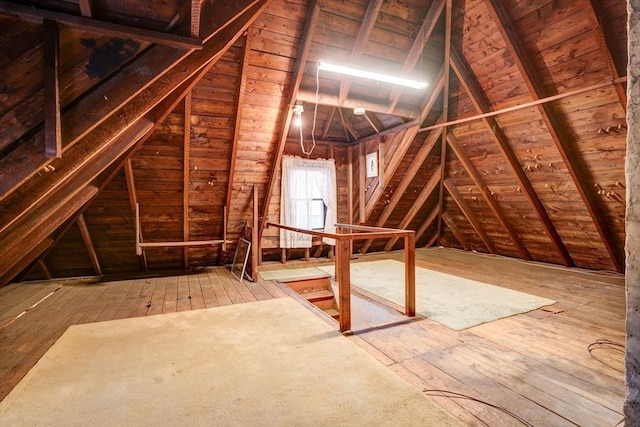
[[308, 199], [310, 210]]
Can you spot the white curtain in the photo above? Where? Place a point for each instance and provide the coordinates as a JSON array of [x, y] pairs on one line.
[[324, 176]]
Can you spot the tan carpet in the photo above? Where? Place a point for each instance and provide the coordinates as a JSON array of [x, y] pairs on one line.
[[452, 301], [268, 363]]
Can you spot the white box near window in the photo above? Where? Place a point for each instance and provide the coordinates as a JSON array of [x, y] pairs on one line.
[[372, 164]]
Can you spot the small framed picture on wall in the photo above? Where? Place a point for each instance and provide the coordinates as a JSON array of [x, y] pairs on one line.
[[372, 164]]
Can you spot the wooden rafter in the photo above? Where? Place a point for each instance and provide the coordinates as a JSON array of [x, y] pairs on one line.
[[32, 14], [404, 144], [481, 103], [45, 270], [591, 8], [555, 127], [368, 21], [487, 194], [428, 25], [362, 184], [303, 54], [26, 259], [186, 169], [427, 222], [450, 223], [468, 213], [387, 132], [408, 176], [374, 121], [52, 126], [88, 243], [417, 205]]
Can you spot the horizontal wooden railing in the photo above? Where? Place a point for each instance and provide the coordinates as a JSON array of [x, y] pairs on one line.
[[347, 233]]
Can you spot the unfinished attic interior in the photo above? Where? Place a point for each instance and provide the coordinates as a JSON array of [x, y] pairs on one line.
[[145, 147]]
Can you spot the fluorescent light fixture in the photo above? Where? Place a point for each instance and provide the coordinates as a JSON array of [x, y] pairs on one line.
[[358, 72]]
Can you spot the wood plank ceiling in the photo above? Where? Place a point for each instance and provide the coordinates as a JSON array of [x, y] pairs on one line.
[[185, 107]]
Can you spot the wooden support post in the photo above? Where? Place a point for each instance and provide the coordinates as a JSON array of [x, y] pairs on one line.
[[186, 167], [133, 201], [52, 121], [255, 241], [350, 185], [410, 274], [362, 184], [86, 237], [85, 8], [344, 283], [283, 255]]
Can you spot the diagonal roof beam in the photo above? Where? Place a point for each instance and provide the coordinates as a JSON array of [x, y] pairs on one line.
[[482, 105], [368, 21], [303, 54], [405, 143], [486, 194], [51, 83], [590, 8], [417, 204], [449, 222], [427, 222], [88, 243], [428, 25], [562, 140], [327, 123], [468, 213]]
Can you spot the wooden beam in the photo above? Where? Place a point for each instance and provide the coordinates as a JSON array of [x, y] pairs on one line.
[[424, 34], [133, 201], [85, 8], [362, 184], [350, 184], [562, 140], [487, 195], [32, 14], [52, 125], [45, 270], [186, 179], [427, 222], [88, 243], [481, 103], [196, 6], [446, 218], [407, 139], [591, 9], [387, 132], [468, 213], [417, 205], [255, 230], [292, 95], [129, 94], [343, 272], [368, 22], [374, 122], [333, 100], [408, 176]]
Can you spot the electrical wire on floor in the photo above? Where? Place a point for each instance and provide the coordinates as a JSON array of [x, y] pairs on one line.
[[604, 344], [455, 395], [4, 325]]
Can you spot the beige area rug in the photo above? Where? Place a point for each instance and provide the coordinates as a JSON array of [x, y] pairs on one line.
[[266, 363], [452, 301], [291, 273]]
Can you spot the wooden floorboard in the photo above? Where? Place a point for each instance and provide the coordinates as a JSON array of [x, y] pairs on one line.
[[536, 365]]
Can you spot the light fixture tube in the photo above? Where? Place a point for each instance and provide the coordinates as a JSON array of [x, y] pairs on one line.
[[358, 72]]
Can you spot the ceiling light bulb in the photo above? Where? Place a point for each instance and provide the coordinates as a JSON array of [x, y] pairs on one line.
[[358, 72], [359, 111]]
